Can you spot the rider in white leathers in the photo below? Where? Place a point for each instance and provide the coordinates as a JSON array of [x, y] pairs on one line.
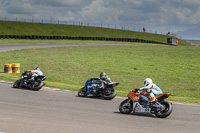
[[105, 79], [151, 89]]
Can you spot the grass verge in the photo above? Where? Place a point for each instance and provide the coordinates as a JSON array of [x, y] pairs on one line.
[[43, 29], [174, 69]]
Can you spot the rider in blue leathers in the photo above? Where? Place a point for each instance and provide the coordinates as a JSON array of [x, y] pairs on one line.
[[151, 89], [37, 72], [33, 74]]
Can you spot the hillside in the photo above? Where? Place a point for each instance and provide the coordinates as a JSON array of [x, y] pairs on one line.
[[24, 28]]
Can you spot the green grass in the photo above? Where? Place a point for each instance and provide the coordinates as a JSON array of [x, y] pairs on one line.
[[23, 28], [174, 69]]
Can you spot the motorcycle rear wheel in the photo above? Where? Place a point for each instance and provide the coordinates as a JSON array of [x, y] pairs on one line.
[[37, 85], [126, 107], [109, 93], [82, 92], [165, 111]]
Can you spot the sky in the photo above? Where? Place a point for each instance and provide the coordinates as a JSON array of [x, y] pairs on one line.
[[157, 16]]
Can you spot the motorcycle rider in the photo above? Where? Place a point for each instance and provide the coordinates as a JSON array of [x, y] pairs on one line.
[[102, 81], [150, 90], [33, 73], [36, 72]]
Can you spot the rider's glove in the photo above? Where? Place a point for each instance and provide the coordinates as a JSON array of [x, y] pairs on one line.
[[149, 90], [136, 89]]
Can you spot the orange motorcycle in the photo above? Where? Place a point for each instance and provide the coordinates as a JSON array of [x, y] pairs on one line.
[[139, 102]]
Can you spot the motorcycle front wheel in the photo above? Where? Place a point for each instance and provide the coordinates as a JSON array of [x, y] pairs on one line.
[[126, 106], [16, 84], [165, 111], [82, 92], [109, 93]]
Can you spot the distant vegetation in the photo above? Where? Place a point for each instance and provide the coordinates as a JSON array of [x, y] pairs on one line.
[[25, 28]]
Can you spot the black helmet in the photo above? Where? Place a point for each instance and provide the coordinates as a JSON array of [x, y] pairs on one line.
[[102, 74]]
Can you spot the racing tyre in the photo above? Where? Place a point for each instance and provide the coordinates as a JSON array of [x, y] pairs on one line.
[[126, 107], [16, 84], [165, 111], [109, 93], [37, 85], [82, 92]]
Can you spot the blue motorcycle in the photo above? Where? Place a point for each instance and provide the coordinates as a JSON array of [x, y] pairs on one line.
[[93, 88]]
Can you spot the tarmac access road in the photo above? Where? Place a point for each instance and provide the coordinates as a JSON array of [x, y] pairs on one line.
[[50, 111], [59, 111], [6, 47]]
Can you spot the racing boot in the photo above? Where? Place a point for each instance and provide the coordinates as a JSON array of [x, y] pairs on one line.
[[155, 104]]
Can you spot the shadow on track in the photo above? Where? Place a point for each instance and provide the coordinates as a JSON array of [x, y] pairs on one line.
[[138, 114]]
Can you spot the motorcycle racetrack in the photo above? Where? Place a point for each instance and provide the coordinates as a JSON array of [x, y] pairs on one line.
[[53, 110]]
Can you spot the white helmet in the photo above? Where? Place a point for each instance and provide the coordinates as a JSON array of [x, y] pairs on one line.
[[148, 82], [37, 68]]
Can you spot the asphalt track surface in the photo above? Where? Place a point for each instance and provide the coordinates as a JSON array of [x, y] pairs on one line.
[[50, 111], [6, 47]]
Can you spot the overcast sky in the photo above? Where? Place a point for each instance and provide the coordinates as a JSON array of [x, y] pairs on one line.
[[154, 15]]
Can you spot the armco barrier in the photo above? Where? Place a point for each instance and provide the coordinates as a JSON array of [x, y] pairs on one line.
[[77, 38]]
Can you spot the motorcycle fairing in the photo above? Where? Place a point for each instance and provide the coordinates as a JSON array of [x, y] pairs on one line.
[[112, 84], [144, 93], [162, 96], [90, 85], [138, 108], [133, 96]]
